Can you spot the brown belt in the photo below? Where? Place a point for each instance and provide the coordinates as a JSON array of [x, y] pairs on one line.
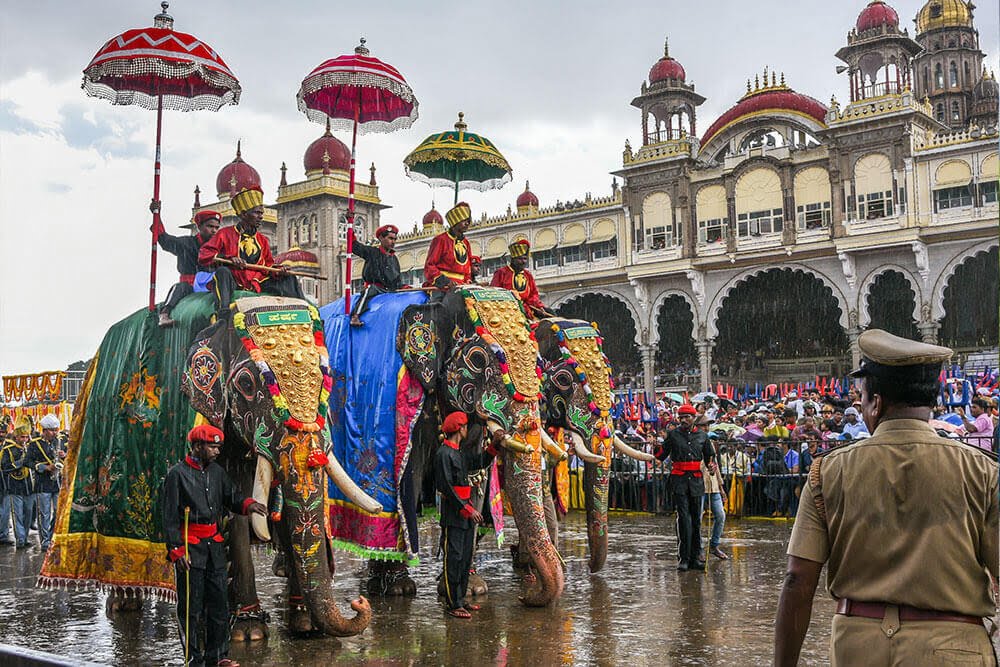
[[906, 613]]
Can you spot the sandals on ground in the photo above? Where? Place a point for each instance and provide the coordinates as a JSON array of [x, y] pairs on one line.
[[459, 613]]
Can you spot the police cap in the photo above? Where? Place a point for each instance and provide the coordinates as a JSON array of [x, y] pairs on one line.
[[887, 356]]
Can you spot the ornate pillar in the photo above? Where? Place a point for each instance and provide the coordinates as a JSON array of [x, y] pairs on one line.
[[852, 344], [704, 348], [929, 331], [648, 353]]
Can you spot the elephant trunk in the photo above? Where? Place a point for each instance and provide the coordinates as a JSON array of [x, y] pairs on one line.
[[310, 557], [596, 475], [523, 487]]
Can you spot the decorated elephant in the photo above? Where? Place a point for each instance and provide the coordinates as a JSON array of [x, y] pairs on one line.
[[576, 383], [472, 351], [262, 376]]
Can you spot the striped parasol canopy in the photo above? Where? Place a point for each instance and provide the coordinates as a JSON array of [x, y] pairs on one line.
[[460, 159]]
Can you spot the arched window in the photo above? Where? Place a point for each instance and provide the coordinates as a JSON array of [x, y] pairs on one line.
[[968, 75], [953, 74], [763, 138], [291, 234], [759, 203], [657, 221], [873, 185], [952, 43], [939, 112], [315, 229], [956, 113], [812, 198], [938, 76], [927, 77], [713, 214]]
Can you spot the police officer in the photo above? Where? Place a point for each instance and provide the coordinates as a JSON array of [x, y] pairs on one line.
[[687, 446], [197, 494], [458, 516], [906, 522]]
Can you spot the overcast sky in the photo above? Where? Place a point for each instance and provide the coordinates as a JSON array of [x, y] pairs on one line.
[[548, 82]]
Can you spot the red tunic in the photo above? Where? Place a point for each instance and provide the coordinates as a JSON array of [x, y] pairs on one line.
[[251, 248], [448, 257], [523, 283]]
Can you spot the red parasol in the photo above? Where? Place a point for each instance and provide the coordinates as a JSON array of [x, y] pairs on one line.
[[157, 68], [362, 94]]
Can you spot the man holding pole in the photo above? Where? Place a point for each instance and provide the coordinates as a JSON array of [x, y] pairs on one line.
[[449, 259], [196, 495], [186, 248], [242, 255]]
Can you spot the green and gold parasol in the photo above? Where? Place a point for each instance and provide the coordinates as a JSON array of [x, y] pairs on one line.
[[459, 159]]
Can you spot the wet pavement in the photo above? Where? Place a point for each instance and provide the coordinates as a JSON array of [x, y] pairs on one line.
[[639, 610]]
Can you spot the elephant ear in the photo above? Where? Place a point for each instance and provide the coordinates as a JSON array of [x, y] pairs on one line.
[[420, 344], [204, 379]]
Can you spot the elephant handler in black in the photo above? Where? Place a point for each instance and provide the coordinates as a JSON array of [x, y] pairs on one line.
[[458, 517], [186, 248], [381, 273], [197, 494], [687, 446]]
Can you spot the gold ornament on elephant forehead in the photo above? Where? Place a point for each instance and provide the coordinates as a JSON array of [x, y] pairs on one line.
[[588, 355], [291, 351], [506, 323]]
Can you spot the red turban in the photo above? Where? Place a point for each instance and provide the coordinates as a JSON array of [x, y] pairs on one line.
[[453, 422], [687, 409], [386, 229], [202, 216], [476, 259], [205, 433]]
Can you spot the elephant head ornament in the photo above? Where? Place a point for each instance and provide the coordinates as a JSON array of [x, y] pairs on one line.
[[473, 351], [576, 383], [263, 376]]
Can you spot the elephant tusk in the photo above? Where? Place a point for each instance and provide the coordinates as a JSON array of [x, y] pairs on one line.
[[582, 452], [349, 488], [261, 492], [508, 442], [552, 447], [629, 451]]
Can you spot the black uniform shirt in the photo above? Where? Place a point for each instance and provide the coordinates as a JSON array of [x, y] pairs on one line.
[[686, 446], [16, 478], [381, 268], [186, 248], [451, 477], [41, 452], [211, 495]]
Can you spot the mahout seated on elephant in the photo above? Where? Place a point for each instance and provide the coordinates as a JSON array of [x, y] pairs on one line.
[[261, 376]]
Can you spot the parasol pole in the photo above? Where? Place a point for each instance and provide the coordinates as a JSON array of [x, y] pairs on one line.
[[156, 212], [457, 165], [350, 210]]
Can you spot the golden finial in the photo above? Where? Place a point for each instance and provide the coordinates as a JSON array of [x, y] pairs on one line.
[[756, 81], [748, 86], [782, 79], [666, 47], [460, 125], [774, 80]]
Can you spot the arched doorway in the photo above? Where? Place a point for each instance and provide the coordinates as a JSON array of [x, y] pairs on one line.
[[617, 328], [779, 325], [970, 304], [891, 303], [676, 357]]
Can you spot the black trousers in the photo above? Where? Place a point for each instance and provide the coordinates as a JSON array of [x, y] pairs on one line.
[[457, 543], [274, 284], [360, 306], [174, 296], [688, 525], [203, 613]]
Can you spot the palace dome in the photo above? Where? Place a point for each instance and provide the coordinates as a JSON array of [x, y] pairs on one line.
[[527, 198], [235, 176], [773, 99], [432, 217], [876, 14], [666, 68], [298, 259], [327, 151], [943, 14]]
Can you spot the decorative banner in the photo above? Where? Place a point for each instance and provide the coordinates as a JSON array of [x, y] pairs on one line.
[[62, 410], [44, 386]]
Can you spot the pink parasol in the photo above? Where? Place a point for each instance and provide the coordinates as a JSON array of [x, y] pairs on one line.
[[158, 68], [361, 94]]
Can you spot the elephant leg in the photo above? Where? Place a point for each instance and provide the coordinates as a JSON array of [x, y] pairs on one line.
[[278, 567], [551, 518], [390, 578], [299, 616], [119, 602], [251, 620]]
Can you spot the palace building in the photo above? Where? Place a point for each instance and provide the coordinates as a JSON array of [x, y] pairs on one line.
[[759, 249]]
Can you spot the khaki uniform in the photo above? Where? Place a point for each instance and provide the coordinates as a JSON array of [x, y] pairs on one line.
[[911, 519]]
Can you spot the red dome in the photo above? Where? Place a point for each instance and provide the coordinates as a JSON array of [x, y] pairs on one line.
[[236, 175], [664, 69], [327, 145], [527, 198], [783, 99], [876, 14], [297, 258], [432, 217]]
